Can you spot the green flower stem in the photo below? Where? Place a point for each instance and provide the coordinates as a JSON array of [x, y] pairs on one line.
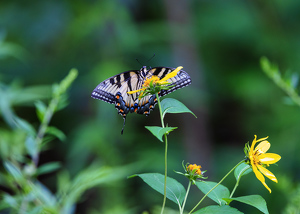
[[166, 154], [186, 195], [235, 186], [160, 112], [216, 186]]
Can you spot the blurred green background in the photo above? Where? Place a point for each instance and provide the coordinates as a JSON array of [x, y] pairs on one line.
[[219, 43]]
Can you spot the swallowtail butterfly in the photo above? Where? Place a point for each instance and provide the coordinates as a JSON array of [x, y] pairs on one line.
[[114, 89]]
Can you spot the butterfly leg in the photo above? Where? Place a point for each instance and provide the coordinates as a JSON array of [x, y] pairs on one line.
[[124, 117]]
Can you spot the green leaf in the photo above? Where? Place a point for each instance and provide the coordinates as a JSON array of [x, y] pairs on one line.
[[158, 131], [56, 132], [13, 170], [175, 191], [254, 200], [48, 167], [41, 192], [242, 169], [9, 200], [24, 125], [65, 83], [31, 146], [218, 209], [170, 105], [40, 109], [217, 194]]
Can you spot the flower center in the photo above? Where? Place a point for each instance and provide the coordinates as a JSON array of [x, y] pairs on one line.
[[152, 79], [193, 167], [255, 158]]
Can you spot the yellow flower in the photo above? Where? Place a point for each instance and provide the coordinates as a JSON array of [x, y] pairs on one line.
[[155, 81], [259, 160], [191, 168]]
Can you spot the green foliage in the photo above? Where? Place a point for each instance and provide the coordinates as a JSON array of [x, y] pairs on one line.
[[170, 105], [216, 194], [26, 192], [288, 85], [218, 209], [254, 200], [175, 190], [293, 205], [242, 169], [158, 132]]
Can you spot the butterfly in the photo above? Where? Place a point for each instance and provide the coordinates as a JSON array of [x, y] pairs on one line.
[[114, 89]]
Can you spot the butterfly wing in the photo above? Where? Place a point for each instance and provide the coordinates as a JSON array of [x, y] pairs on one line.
[[108, 89], [114, 90], [147, 103], [181, 80]]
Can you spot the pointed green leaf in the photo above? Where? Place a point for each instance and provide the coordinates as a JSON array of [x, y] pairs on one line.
[[159, 131], [242, 169], [31, 146], [8, 201], [218, 209], [43, 194], [24, 125], [254, 200], [40, 109], [56, 132], [170, 105], [48, 167], [13, 170], [175, 191], [217, 194]]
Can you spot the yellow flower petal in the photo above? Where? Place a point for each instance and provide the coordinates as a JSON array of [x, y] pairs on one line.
[[132, 92], [252, 147], [170, 75], [269, 158], [260, 177], [262, 147], [261, 139], [267, 173]]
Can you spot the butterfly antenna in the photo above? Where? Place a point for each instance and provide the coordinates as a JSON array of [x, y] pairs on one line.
[[151, 58], [123, 125], [138, 61]]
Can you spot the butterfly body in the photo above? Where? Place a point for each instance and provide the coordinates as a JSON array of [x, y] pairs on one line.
[[114, 89]]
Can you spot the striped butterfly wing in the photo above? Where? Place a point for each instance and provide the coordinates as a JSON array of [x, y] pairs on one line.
[[181, 80], [114, 90], [108, 89]]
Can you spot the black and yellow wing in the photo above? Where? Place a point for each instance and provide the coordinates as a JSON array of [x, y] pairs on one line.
[[114, 90]]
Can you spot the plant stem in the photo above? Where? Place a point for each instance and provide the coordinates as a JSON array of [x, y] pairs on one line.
[[166, 154], [235, 186], [44, 125], [160, 112], [216, 186], [186, 195]]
